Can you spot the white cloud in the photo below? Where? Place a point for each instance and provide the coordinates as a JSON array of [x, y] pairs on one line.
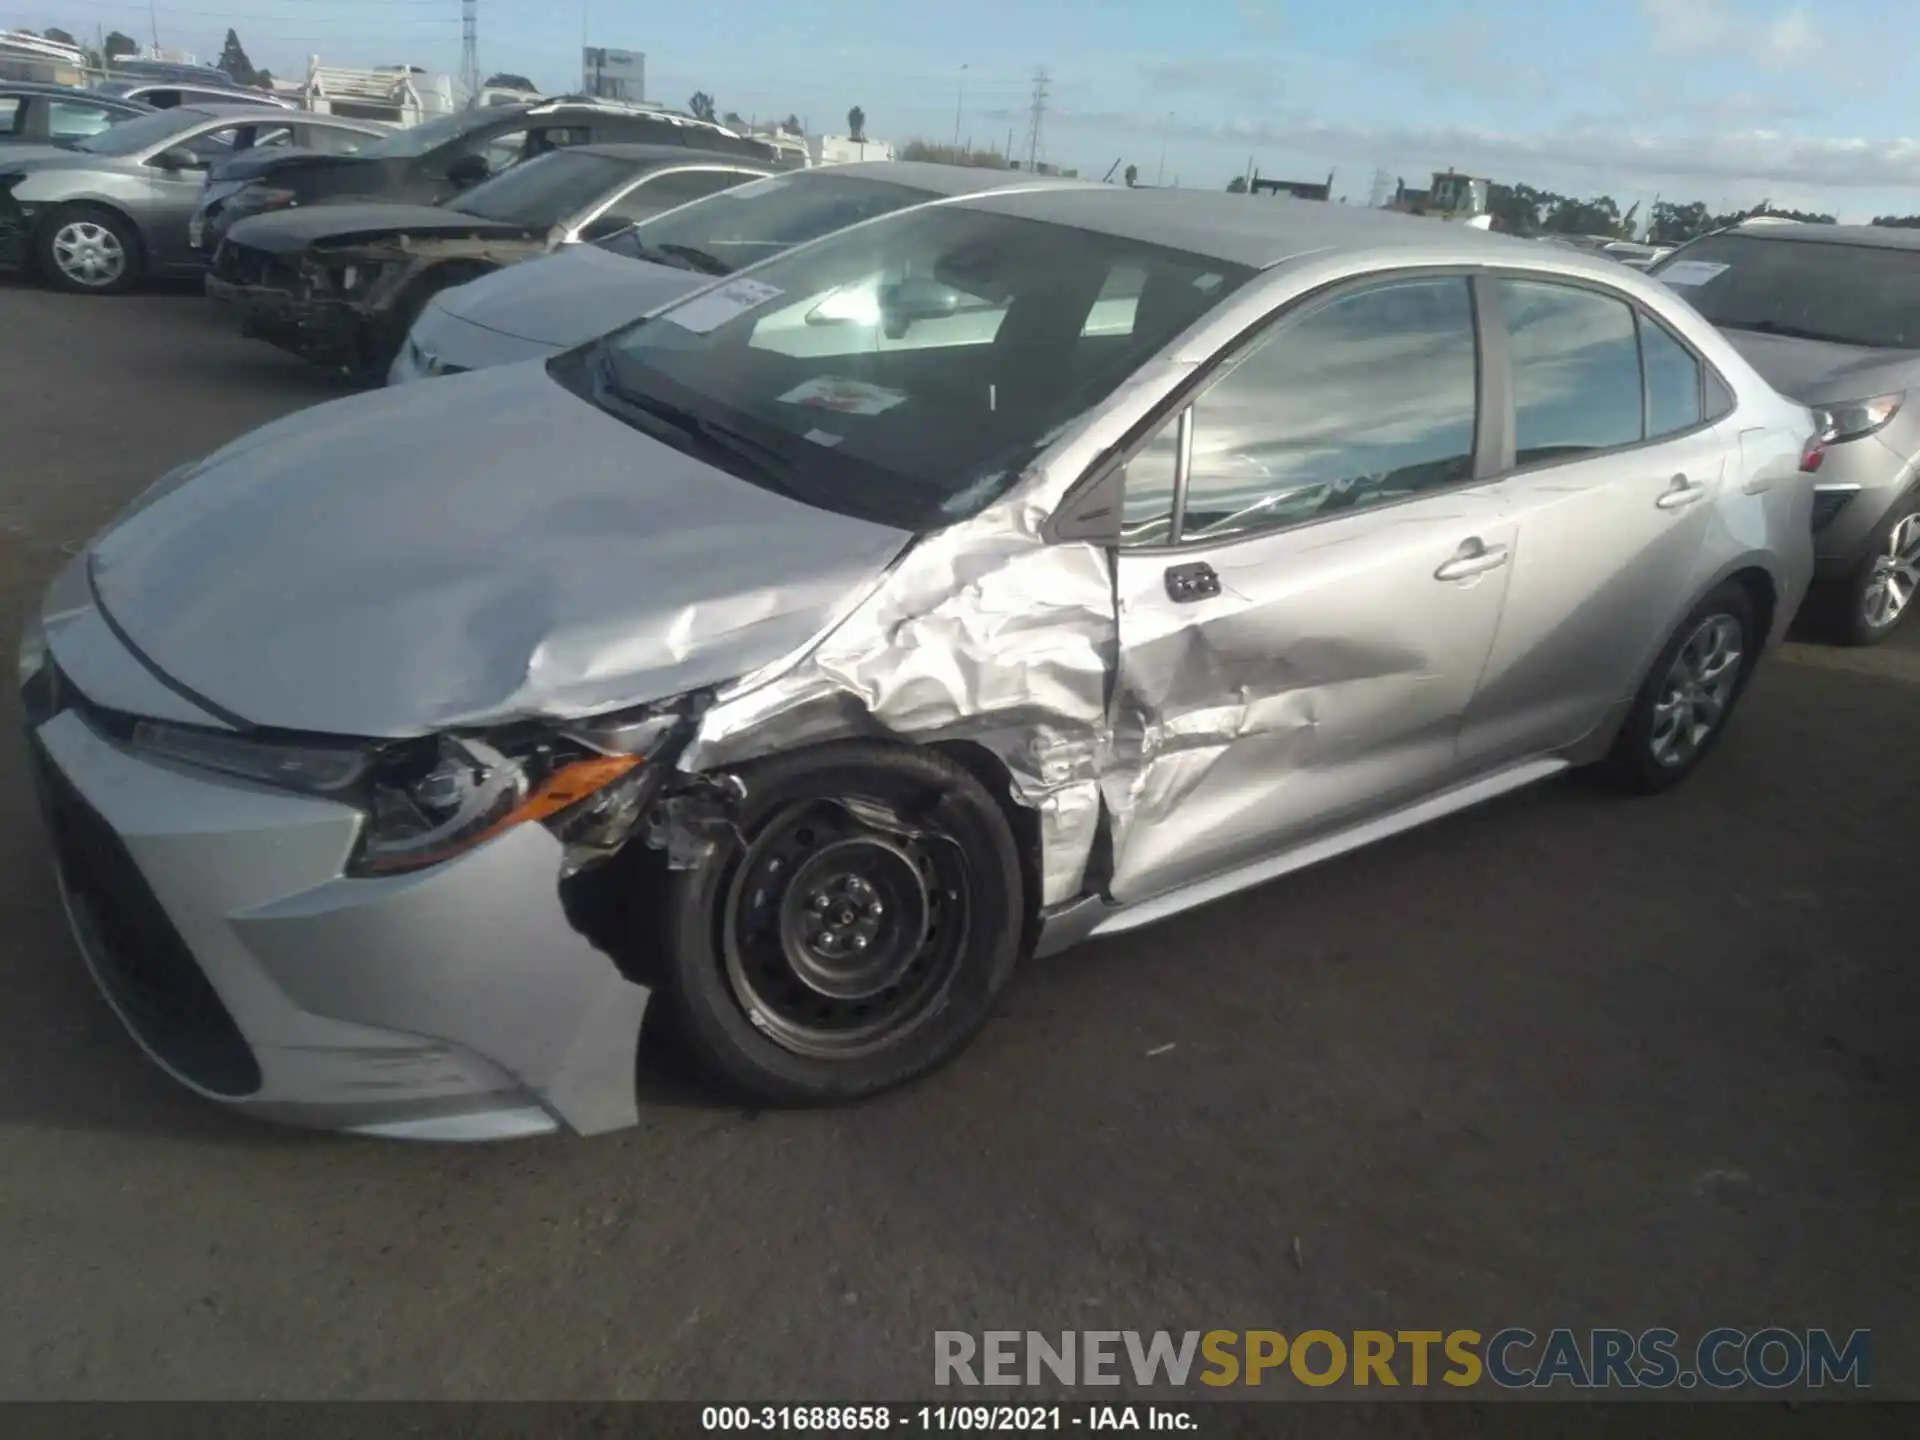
[[1607, 152], [1775, 42], [1463, 54]]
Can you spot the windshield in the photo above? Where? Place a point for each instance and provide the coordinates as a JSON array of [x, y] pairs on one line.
[[754, 222], [417, 140], [906, 371], [546, 190], [142, 132], [1810, 289]]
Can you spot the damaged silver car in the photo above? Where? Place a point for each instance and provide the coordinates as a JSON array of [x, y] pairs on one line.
[[804, 655]]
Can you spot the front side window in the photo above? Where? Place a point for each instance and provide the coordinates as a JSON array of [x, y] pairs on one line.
[[670, 191], [763, 218], [1576, 370], [1805, 289], [1361, 400], [545, 191], [331, 140], [871, 421]]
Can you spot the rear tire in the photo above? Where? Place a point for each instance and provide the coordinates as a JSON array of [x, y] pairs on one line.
[[89, 250], [1885, 587], [853, 932], [1689, 695]]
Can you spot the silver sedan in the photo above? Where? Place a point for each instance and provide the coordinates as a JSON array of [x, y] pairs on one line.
[[801, 657], [112, 209]]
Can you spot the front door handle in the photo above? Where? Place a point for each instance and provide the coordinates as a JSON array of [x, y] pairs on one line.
[[1187, 583], [1681, 494], [1473, 558]]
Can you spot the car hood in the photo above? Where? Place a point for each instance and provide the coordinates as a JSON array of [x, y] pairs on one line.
[[485, 548], [1815, 372], [569, 298], [252, 164], [288, 232]]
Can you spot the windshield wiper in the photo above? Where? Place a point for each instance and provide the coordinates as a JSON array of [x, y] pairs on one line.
[[685, 257], [1786, 332], [687, 431]]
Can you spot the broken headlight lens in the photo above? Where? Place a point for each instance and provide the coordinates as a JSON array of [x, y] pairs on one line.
[[317, 769]]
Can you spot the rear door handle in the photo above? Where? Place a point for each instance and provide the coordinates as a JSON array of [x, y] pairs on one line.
[[1187, 583], [1681, 494], [1473, 558]]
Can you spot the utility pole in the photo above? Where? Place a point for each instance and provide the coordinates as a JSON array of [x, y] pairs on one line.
[[1039, 114], [959, 104], [1160, 175], [470, 47], [153, 20]]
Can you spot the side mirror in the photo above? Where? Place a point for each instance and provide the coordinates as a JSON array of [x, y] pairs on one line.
[[178, 157], [913, 299], [468, 169]]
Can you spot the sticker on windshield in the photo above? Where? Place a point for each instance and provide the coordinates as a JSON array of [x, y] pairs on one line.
[[711, 311], [843, 397], [1691, 272], [823, 437]]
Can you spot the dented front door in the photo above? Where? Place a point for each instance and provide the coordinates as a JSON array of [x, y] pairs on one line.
[[1309, 582]]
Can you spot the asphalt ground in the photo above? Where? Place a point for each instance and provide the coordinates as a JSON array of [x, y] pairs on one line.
[[1565, 1060]]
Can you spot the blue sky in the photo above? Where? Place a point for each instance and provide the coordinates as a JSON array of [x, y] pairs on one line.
[[1727, 101]]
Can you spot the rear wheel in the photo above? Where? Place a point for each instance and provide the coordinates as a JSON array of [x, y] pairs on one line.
[[1689, 695], [854, 932], [89, 250], [1880, 593]]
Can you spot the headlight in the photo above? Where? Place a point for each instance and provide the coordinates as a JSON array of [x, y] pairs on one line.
[[33, 650], [427, 801], [1851, 419]]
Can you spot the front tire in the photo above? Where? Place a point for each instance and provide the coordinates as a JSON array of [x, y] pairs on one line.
[[1689, 695], [89, 250], [853, 933]]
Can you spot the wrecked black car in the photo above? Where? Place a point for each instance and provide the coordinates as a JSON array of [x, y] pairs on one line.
[[430, 163], [342, 284]]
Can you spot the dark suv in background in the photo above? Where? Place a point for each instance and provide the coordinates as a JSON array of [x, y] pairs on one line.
[[434, 161], [1830, 315]]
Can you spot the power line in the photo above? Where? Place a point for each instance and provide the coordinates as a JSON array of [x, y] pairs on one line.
[[1038, 115]]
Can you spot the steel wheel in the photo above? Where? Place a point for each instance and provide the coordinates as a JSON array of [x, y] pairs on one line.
[[1698, 688], [1894, 576], [842, 930], [89, 254]]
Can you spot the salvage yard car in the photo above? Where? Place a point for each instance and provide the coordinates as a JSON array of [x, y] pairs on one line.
[[432, 162], [35, 114], [341, 284], [1830, 314], [762, 664], [113, 208], [553, 304]]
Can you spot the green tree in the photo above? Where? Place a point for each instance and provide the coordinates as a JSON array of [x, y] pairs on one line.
[[792, 125], [701, 105], [54, 32], [1237, 185], [118, 46], [1898, 222], [506, 80], [233, 60], [733, 121], [1132, 176], [856, 124]]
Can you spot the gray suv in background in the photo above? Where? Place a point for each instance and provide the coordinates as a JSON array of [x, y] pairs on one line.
[[1830, 315]]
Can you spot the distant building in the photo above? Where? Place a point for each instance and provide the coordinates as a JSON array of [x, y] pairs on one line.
[[1451, 193], [845, 150], [613, 74]]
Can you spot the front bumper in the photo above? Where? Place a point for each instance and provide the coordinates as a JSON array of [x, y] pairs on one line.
[[1857, 483], [457, 1003], [272, 302]]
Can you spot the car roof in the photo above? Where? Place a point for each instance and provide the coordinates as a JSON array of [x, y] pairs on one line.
[[40, 87], [943, 179], [1244, 230], [270, 114], [1880, 237], [641, 153]]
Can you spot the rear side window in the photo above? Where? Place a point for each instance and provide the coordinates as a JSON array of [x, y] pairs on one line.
[[1673, 381], [70, 120], [1576, 370], [9, 115]]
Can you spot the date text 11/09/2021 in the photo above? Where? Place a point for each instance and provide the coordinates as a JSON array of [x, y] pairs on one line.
[[938, 1418]]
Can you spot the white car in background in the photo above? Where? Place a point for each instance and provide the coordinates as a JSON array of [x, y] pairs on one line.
[[552, 304]]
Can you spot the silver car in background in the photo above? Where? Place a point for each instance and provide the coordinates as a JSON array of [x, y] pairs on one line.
[[113, 208], [552, 304], [1830, 314], [771, 664]]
